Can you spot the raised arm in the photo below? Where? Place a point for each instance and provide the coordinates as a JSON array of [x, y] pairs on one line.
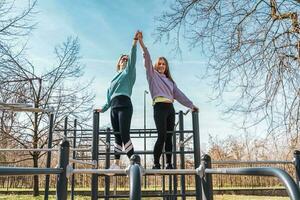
[[132, 58], [147, 57]]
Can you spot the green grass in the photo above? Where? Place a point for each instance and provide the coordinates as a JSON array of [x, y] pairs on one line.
[[28, 197], [217, 197], [235, 197]]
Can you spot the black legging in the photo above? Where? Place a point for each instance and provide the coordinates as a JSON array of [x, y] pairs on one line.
[[120, 120], [164, 117]]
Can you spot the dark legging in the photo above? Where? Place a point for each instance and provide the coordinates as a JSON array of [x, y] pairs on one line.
[[120, 120], [164, 117]]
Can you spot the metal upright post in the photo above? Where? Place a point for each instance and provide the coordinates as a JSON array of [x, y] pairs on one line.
[[182, 160], [66, 127], [62, 180], [145, 144], [163, 178], [74, 157], [207, 179], [175, 165], [95, 155], [107, 165], [197, 153], [135, 178], [297, 166], [48, 163]]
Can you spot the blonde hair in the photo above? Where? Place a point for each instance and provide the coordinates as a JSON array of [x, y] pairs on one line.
[[167, 71], [118, 63]]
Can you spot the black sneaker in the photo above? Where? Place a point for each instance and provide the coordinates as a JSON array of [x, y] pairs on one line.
[[169, 166], [156, 166]]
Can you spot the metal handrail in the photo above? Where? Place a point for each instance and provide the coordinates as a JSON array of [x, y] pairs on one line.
[[108, 172], [225, 162], [290, 185], [4, 171], [46, 149]]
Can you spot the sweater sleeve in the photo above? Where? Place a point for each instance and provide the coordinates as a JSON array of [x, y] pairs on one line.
[[148, 63], [106, 106], [181, 98], [130, 69]]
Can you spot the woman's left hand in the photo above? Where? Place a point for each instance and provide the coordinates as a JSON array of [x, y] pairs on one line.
[[195, 109], [98, 110]]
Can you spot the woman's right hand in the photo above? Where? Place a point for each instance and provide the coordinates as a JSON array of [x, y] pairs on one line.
[[136, 35], [140, 38], [140, 35]]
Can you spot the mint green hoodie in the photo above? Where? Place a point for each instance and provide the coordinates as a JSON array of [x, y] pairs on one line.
[[123, 81]]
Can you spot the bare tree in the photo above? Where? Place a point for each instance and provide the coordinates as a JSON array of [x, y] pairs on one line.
[[219, 149], [254, 52], [16, 21], [58, 88], [15, 24], [242, 147]]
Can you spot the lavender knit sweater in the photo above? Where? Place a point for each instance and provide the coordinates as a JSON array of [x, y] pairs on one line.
[[160, 85]]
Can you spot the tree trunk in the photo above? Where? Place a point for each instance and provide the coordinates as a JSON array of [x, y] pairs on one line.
[[35, 177], [35, 156]]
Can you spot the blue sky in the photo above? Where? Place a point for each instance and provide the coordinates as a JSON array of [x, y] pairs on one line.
[[105, 30]]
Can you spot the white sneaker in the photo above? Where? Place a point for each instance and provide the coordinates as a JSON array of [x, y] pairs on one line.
[[114, 166]]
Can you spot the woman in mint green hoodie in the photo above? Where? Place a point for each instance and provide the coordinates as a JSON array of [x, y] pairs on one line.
[[118, 99]]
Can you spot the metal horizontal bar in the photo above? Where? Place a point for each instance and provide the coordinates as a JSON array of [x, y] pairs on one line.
[[184, 113], [22, 105], [252, 162], [285, 178], [82, 162], [112, 172], [80, 137], [23, 108], [143, 131], [19, 109], [45, 149], [148, 137], [4, 171], [80, 149], [61, 130], [147, 152], [89, 158], [154, 194], [109, 172], [170, 172]]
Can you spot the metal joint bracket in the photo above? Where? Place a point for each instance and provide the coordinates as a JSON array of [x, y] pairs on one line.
[[127, 170], [69, 171], [181, 143], [200, 171], [107, 145], [142, 170], [94, 163]]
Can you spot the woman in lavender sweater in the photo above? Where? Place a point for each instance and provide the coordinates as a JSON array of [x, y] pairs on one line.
[[163, 90]]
